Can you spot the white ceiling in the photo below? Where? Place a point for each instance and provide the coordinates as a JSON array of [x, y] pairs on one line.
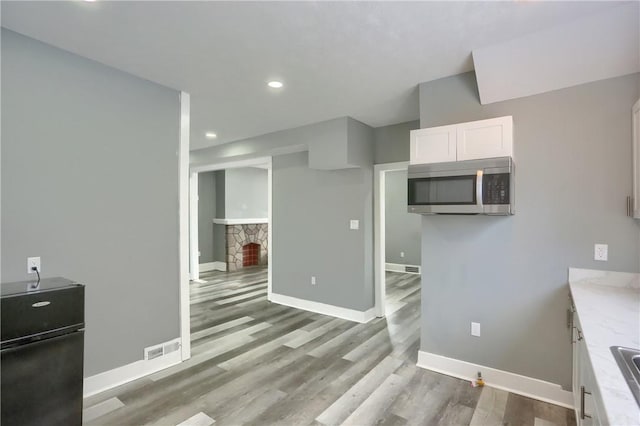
[[358, 59]]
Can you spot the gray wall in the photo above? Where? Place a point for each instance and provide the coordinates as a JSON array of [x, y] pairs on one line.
[[572, 152], [402, 229], [206, 214], [311, 235], [246, 193], [90, 184], [391, 143], [219, 238], [334, 144], [312, 208]]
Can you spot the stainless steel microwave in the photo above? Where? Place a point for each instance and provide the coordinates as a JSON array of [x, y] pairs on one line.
[[483, 186]]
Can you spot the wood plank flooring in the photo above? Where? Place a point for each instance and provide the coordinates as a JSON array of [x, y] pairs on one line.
[[258, 363]]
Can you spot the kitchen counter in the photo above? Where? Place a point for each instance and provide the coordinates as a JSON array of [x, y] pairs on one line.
[[608, 307]]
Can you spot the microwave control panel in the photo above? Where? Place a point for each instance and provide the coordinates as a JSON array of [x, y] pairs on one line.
[[495, 188]]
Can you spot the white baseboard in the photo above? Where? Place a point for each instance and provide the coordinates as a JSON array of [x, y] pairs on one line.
[[401, 267], [323, 308], [511, 382], [121, 375], [213, 266]]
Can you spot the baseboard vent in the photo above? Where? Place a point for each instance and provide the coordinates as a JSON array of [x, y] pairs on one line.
[[153, 352], [400, 267]]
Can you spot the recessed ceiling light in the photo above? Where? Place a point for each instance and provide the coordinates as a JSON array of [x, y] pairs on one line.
[[275, 84], [210, 135], [89, 1]]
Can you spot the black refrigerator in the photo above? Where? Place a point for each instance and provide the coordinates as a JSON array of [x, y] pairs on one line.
[[42, 348]]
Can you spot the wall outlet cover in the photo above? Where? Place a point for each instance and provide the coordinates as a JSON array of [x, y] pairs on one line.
[[33, 262], [354, 224], [313, 280]]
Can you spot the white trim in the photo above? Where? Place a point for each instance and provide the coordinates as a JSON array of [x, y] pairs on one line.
[[270, 228], [194, 255], [499, 379], [251, 162], [213, 266], [379, 239], [401, 267], [323, 308], [118, 376], [184, 295], [184, 219], [241, 221], [635, 145]]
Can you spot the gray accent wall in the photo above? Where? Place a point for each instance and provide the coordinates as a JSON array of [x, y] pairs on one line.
[[391, 143], [246, 193], [219, 231], [332, 145], [311, 235], [312, 207], [403, 231], [572, 151], [206, 214], [90, 184]]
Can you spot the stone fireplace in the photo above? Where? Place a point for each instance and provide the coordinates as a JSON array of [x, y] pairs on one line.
[[246, 245]]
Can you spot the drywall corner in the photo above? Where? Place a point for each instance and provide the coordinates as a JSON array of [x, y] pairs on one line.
[[359, 143]]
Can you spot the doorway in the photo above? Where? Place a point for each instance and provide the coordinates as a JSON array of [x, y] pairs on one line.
[[238, 241], [397, 241]]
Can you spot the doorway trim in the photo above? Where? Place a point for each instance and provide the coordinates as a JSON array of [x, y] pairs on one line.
[[379, 180], [183, 225], [193, 213]]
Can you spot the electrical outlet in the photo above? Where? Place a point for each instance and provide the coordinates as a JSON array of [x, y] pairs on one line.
[[33, 262], [313, 280], [475, 329], [601, 252], [354, 224], [401, 254]]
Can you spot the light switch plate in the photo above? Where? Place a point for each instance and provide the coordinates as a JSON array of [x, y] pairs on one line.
[[601, 252], [475, 329], [354, 224]]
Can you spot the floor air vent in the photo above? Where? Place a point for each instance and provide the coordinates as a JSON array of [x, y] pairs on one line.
[[153, 352], [412, 269]]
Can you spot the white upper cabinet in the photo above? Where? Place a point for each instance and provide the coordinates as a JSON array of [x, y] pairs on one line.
[[433, 145], [465, 141], [485, 138]]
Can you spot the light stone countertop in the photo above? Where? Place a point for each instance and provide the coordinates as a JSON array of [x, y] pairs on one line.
[[608, 307]]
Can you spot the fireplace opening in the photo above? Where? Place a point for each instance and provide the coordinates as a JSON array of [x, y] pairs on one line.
[[250, 254]]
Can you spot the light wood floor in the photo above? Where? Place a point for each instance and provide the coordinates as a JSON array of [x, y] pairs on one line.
[[254, 362]]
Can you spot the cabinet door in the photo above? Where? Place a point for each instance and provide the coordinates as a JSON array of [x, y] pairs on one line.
[[576, 363], [485, 138], [433, 145], [636, 160], [586, 410]]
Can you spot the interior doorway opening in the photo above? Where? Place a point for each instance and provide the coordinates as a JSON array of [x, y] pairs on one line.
[[397, 242], [231, 236]]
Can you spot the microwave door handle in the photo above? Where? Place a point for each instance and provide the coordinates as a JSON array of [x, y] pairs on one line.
[[479, 176]]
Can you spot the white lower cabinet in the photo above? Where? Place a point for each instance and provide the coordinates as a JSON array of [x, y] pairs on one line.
[[586, 396]]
